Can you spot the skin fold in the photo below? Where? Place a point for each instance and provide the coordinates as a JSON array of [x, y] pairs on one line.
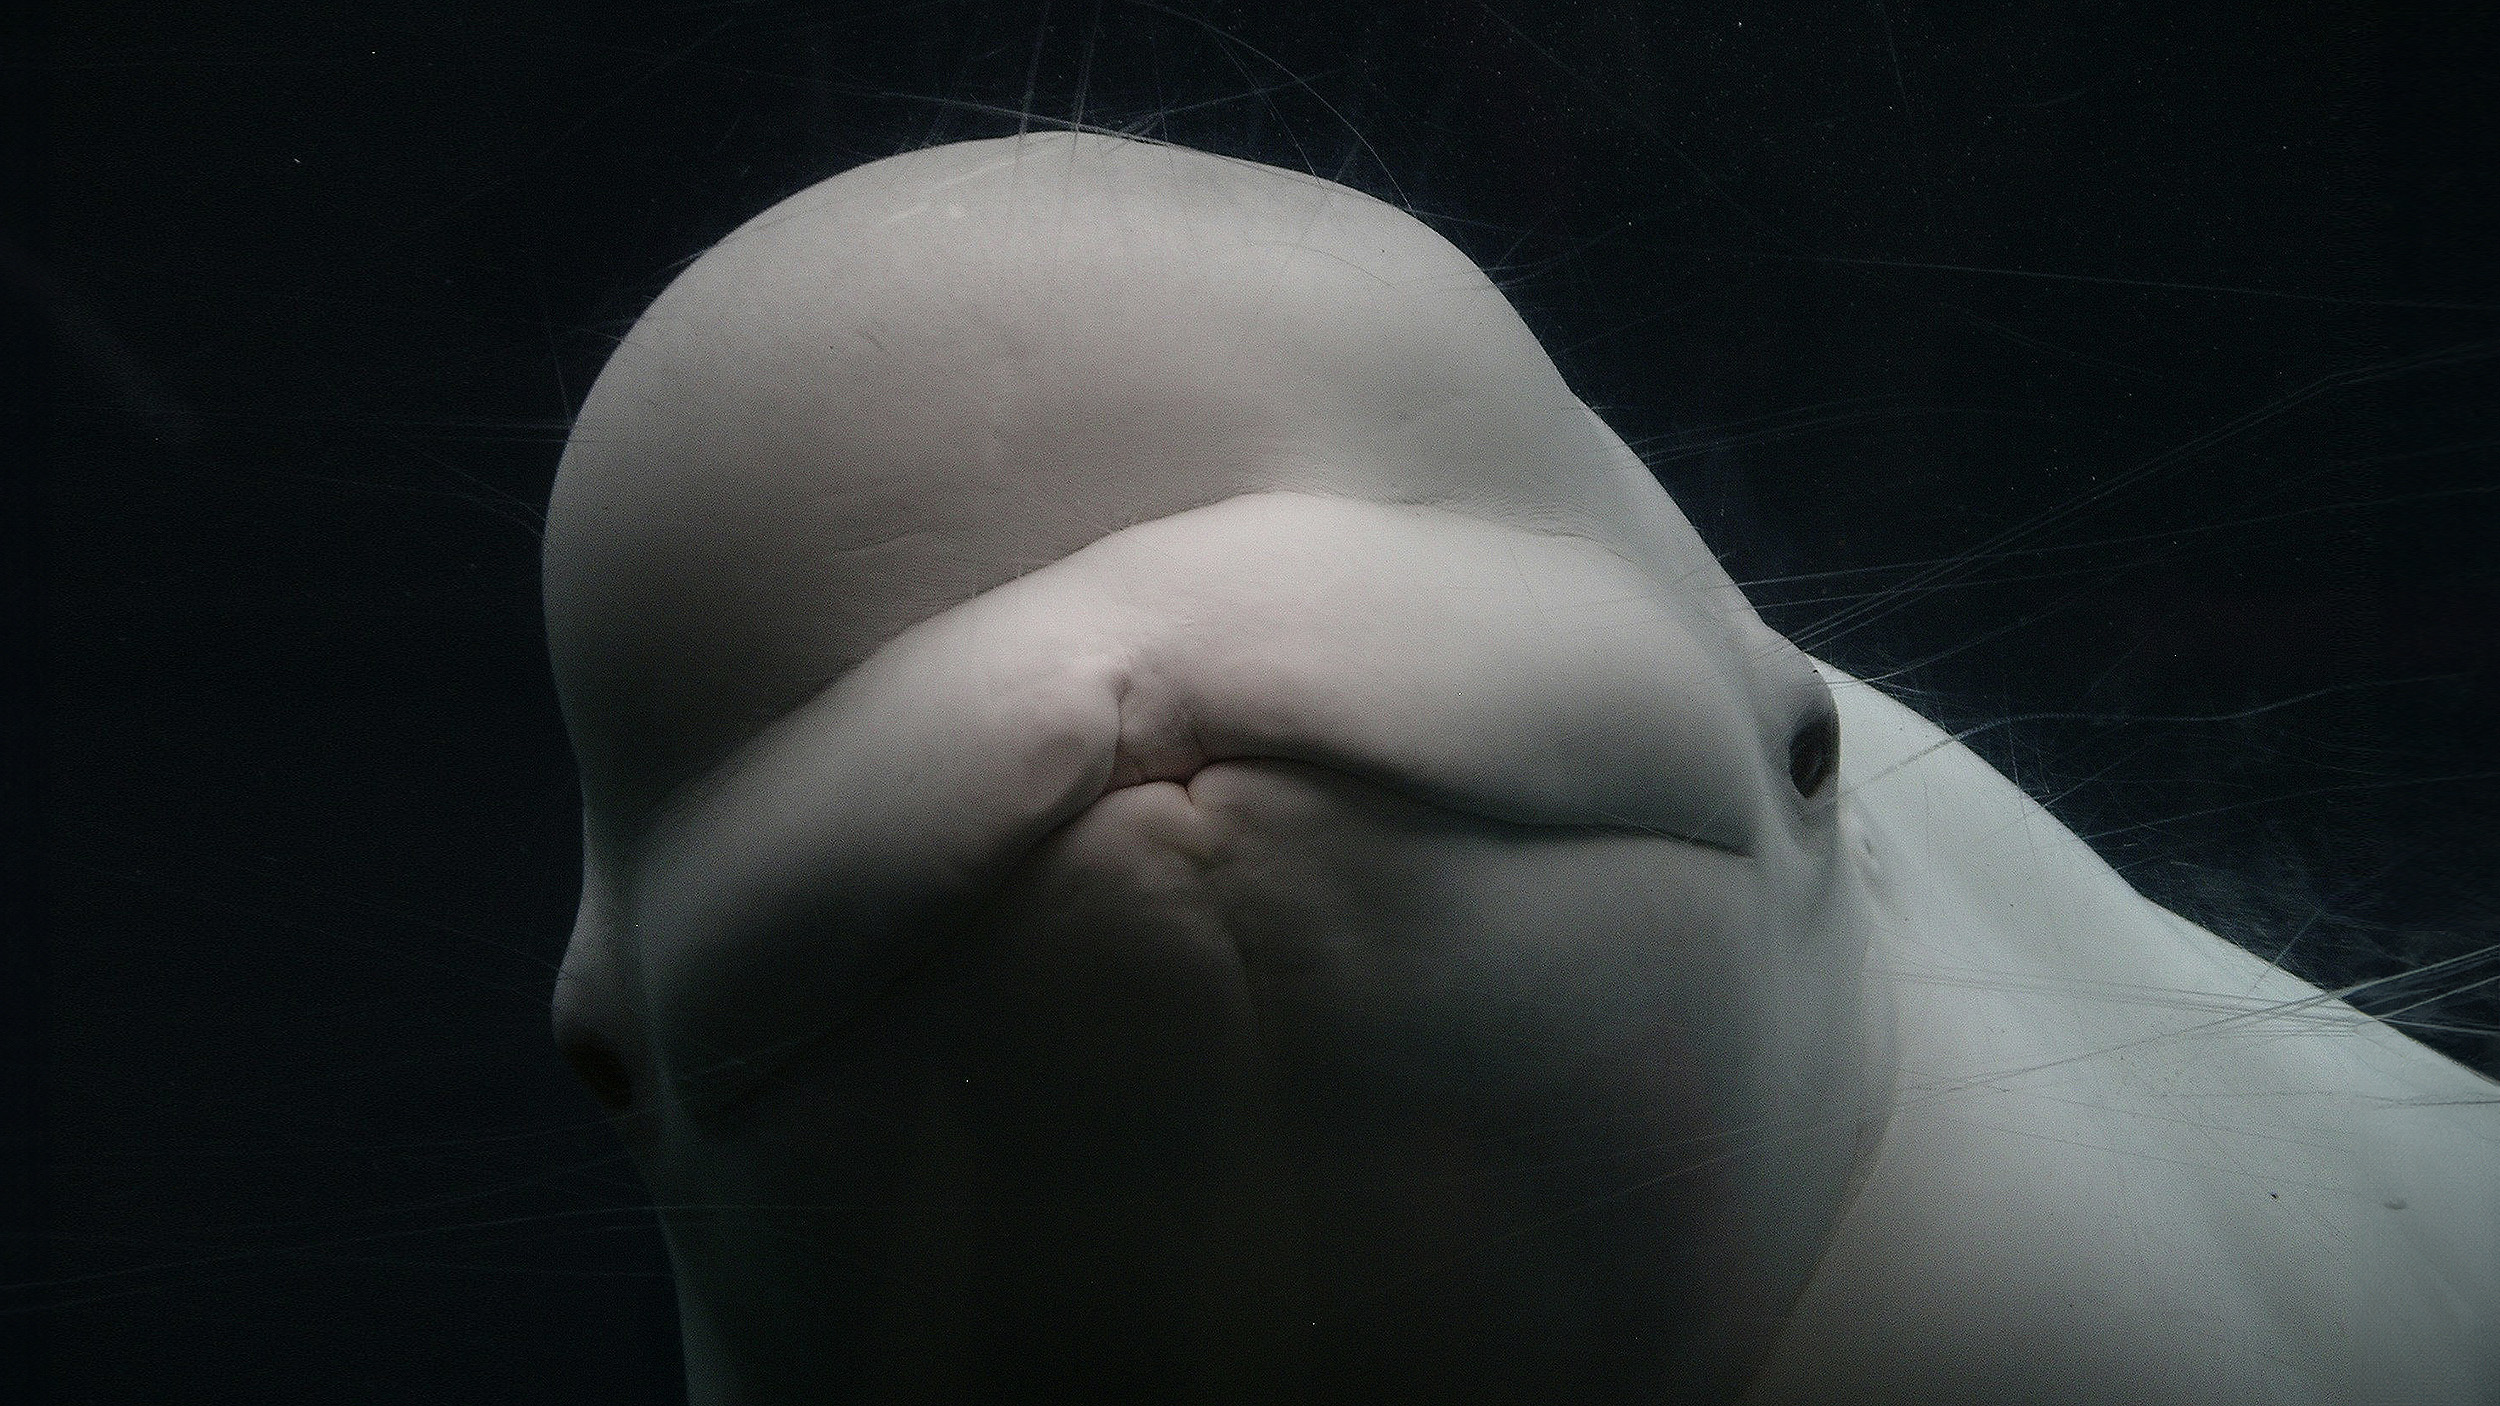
[[1168, 815]]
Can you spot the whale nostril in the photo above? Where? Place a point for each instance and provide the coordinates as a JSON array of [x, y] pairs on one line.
[[598, 1068], [1814, 753]]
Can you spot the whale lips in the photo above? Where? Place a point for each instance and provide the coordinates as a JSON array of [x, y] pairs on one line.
[[1519, 677]]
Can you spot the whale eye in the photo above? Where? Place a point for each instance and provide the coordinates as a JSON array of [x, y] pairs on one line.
[[1814, 753], [598, 1067]]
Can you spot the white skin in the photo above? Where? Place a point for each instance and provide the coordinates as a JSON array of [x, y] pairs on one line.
[[1169, 814]]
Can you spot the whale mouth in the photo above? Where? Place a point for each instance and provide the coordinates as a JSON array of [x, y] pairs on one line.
[[1500, 675], [733, 1091]]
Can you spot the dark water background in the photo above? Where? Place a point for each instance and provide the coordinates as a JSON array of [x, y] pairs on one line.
[[2129, 362]]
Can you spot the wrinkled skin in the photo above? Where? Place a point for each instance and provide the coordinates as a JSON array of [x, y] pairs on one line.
[[1170, 816]]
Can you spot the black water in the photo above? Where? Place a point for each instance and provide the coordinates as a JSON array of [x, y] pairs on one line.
[[2133, 361]]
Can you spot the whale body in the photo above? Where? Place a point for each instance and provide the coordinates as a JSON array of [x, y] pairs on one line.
[[1168, 815]]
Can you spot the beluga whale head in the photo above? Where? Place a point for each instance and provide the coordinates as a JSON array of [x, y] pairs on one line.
[[1170, 814]]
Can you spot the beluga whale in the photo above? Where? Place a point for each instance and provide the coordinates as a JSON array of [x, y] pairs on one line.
[[1169, 815]]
